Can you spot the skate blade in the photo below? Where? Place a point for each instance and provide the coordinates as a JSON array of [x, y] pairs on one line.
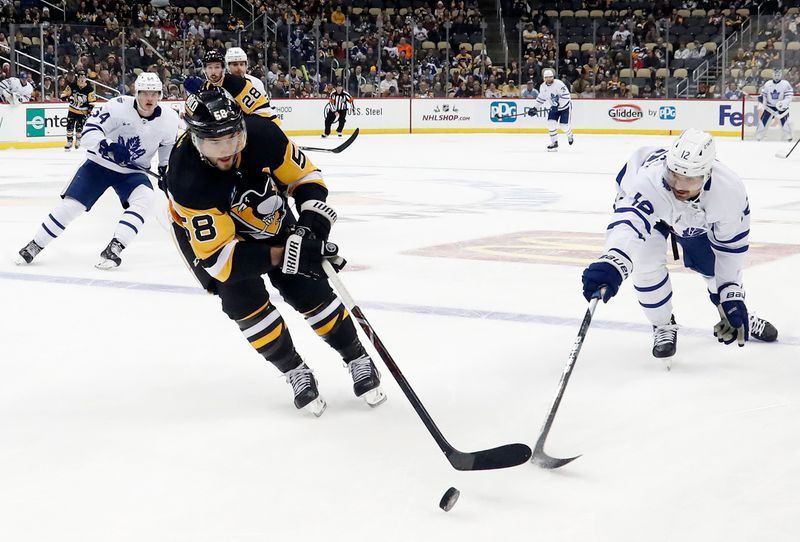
[[552, 150], [374, 397], [316, 407], [105, 265]]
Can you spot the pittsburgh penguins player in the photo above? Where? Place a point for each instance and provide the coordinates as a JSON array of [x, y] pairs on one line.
[[229, 180], [250, 99], [81, 97]]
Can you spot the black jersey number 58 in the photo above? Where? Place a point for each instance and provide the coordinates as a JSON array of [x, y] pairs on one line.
[[204, 229]]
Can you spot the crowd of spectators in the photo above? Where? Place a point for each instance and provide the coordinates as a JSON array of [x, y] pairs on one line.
[[425, 48]]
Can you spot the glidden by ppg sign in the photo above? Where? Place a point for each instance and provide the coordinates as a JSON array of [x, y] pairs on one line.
[[625, 113]]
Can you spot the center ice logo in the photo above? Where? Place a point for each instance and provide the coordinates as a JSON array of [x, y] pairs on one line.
[[503, 111]]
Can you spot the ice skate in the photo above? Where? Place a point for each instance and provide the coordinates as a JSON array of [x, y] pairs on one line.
[[553, 147], [665, 341], [366, 380], [306, 394], [570, 140], [68, 146], [77, 143], [762, 330], [339, 134], [28, 253], [324, 135], [109, 258]]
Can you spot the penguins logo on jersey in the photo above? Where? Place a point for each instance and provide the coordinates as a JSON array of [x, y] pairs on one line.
[[261, 213]]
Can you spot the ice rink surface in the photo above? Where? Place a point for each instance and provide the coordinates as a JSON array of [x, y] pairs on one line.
[[131, 409]]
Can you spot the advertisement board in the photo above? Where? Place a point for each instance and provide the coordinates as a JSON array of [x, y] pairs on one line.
[[41, 125]]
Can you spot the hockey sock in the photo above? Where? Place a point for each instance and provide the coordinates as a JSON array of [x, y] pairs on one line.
[[552, 128], [568, 129], [331, 321], [266, 331], [56, 222], [132, 219], [655, 296]]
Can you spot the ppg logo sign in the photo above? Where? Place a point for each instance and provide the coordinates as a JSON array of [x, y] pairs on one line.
[[503, 112], [667, 112]]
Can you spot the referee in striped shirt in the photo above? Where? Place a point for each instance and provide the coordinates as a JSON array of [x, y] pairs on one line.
[[338, 103]]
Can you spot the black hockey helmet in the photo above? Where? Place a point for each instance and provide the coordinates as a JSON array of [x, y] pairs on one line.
[[210, 116], [212, 55]]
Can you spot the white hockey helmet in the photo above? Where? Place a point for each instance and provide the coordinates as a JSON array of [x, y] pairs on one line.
[[235, 54], [547, 72], [148, 81], [692, 154]]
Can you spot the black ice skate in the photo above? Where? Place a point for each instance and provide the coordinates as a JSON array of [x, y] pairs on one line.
[[324, 135], [553, 147], [306, 394], [366, 380], [762, 330], [570, 140], [109, 258], [339, 134], [28, 253], [78, 143], [665, 339], [68, 145]]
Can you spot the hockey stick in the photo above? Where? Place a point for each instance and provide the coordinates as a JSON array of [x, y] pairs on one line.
[[509, 455], [540, 458], [498, 117], [335, 150], [786, 154]]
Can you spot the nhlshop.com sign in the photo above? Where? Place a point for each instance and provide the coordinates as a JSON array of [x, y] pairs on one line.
[[45, 121]]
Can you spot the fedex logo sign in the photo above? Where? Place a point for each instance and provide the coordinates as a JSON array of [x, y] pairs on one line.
[[729, 117]]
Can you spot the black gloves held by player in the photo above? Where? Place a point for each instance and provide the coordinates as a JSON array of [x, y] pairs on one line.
[[304, 253], [162, 178], [318, 217]]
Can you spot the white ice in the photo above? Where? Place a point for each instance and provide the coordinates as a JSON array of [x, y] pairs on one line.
[[131, 409]]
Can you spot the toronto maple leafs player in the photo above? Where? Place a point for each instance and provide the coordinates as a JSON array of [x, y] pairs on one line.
[[121, 136], [684, 191], [16, 90], [556, 93], [776, 96]]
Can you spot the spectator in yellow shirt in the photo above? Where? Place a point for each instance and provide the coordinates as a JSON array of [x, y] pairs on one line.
[[337, 17]]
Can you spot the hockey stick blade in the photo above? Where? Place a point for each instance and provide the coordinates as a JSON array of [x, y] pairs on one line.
[[539, 457], [501, 457], [335, 150]]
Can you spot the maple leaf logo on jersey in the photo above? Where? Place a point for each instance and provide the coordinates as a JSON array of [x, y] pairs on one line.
[[261, 213], [692, 232], [134, 146]]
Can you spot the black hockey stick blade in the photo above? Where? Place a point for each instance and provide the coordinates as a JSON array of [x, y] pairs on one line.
[[509, 455], [335, 150], [502, 457]]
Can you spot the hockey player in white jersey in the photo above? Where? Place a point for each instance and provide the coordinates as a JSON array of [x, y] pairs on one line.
[[556, 93], [236, 62], [776, 96], [16, 90], [680, 190], [121, 137]]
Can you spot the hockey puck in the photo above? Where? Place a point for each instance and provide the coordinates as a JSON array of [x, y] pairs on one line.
[[449, 499]]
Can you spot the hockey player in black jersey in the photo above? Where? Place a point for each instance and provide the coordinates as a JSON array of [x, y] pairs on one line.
[[250, 99], [229, 179], [81, 97]]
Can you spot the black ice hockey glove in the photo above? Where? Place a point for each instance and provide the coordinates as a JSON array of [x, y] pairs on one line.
[[318, 217], [162, 178]]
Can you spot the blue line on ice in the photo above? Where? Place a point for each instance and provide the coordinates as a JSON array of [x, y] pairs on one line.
[[378, 305]]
